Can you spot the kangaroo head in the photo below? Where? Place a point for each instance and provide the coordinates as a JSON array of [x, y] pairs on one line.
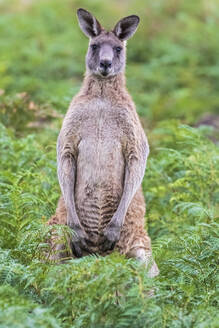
[[106, 52]]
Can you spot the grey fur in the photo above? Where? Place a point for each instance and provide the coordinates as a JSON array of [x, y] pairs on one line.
[[102, 152]]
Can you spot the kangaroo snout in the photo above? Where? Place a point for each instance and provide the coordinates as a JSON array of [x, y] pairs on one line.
[[105, 64], [105, 67]]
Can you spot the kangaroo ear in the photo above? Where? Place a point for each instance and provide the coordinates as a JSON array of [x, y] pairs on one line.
[[88, 23], [126, 27]]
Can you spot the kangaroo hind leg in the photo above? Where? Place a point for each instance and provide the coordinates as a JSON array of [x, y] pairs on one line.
[[145, 256]]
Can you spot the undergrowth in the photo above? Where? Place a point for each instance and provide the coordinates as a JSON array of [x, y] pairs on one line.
[[181, 192], [173, 77]]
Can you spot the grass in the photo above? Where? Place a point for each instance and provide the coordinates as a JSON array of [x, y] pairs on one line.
[[174, 79]]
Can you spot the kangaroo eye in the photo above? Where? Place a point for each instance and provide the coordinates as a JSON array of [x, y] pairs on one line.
[[118, 49], [94, 46]]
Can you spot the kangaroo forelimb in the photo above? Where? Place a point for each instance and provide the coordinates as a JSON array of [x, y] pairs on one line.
[[66, 176]]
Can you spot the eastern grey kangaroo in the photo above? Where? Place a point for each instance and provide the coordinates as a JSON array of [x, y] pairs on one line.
[[102, 152]]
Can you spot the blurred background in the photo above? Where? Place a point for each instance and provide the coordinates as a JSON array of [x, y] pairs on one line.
[[172, 66], [173, 77]]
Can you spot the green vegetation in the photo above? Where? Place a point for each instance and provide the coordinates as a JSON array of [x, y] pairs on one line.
[[173, 75]]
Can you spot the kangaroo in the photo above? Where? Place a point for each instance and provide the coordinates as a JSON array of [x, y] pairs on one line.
[[102, 152]]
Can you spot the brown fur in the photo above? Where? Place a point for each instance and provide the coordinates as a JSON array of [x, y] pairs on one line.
[[102, 152], [132, 236]]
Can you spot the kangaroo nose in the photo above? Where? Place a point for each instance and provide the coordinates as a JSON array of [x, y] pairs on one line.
[[105, 64]]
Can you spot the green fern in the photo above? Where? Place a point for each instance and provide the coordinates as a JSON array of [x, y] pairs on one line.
[[172, 75]]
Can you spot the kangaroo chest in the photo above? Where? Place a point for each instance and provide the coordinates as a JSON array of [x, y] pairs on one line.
[[100, 168]]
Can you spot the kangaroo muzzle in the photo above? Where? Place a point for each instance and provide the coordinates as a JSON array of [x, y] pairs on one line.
[[106, 58]]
